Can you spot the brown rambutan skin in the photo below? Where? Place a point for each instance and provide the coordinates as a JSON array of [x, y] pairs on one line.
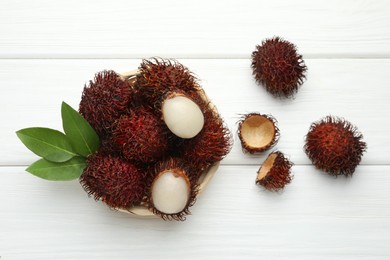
[[335, 146], [277, 65], [279, 175], [104, 99], [157, 77], [116, 182], [141, 135], [172, 164]]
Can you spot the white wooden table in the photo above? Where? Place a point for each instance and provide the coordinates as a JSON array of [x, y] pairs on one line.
[[49, 49]]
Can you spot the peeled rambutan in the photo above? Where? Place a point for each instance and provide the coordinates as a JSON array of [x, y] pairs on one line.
[[157, 77], [116, 182], [172, 189], [141, 135], [182, 116], [211, 145], [277, 65], [104, 99], [275, 172], [257, 132], [335, 146]]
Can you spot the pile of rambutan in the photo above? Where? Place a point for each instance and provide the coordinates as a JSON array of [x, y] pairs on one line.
[[159, 135]]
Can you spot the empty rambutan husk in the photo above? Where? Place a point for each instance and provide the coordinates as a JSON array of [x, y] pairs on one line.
[[203, 174], [257, 132], [335, 146], [277, 65], [275, 172]]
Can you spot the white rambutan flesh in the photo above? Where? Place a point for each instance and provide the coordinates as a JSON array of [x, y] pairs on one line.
[[171, 191], [182, 116]]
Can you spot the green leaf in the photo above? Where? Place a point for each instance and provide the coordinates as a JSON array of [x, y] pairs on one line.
[[47, 143], [82, 136], [52, 171]]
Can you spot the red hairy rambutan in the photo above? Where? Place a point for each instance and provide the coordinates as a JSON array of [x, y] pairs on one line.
[[211, 145], [277, 65], [172, 189], [157, 77], [104, 99], [257, 132], [275, 172], [335, 146], [116, 182], [141, 135]]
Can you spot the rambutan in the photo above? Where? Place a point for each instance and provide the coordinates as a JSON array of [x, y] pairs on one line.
[[335, 146], [104, 99], [116, 182], [257, 132], [275, 172], [172, 189], [277, 65], [211, 145], [141, 135], [157, 77]]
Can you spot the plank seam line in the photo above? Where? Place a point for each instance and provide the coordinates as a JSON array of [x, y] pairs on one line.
[[233, 164], [308, 57]]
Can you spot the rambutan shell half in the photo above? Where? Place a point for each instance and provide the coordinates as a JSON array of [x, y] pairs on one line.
[[258, 132], [275, 172]]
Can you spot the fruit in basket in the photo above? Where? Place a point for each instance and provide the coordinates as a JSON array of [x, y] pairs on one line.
[[116, 182], [172, 189], [158, 77], [211, 145], [104, 99], [140, 135]]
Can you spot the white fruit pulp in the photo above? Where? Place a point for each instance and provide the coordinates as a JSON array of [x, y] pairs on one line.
[[170, 193], [182, 116]]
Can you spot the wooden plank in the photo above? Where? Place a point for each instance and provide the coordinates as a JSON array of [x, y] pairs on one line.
[[32, 91], [196, 29], [316, 217]]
